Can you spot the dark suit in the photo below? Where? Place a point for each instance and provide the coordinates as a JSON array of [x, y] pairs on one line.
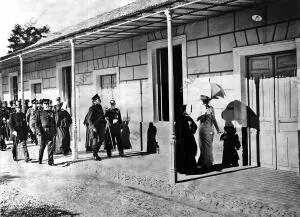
[[96, 123], [115, 128], [17, 122], [46, 128]]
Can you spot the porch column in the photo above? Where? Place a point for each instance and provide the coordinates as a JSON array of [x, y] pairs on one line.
[[22, 82], [74, 132], [173, 173], [297, 41]]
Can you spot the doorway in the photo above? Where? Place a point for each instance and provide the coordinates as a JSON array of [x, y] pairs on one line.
[[163, 82], [67, 85], [273, 97], [15, 87]]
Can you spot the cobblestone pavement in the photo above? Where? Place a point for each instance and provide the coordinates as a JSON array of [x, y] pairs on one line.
[[38, 190]]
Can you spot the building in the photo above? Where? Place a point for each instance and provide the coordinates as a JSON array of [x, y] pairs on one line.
[[123, 54]]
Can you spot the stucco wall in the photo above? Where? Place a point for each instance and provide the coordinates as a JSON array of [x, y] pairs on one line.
[[209, 55]]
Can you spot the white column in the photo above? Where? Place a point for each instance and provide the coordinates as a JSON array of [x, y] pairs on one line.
[[172, 139], [74, 133], [22, 82]]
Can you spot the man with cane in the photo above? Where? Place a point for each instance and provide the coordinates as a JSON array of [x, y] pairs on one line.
[[113, 117]]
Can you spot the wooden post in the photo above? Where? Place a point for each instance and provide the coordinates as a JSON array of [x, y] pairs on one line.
[[74, 133], [172, 140], [22, 82]]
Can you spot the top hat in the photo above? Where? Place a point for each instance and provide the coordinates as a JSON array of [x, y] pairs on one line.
[[95, 97]]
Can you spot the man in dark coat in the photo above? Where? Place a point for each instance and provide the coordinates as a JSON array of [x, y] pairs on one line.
[[88, 139], [7, 111], [58, 105], [2, 127], [19, 131], [63, 122], [96, 121], [113, 116], [31, 117], [186, 147], [46, 128]]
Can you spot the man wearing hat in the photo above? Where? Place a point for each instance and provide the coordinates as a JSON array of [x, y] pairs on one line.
[[31, 117], [113, 116], [58, 105], [6, 110], [96, 122], [19, 131], [46, 128], [2, 128]]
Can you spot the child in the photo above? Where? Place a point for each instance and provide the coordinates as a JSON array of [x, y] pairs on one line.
[[230, 146]]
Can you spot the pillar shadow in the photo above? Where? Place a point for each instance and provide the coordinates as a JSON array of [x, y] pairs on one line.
[[215, 173]]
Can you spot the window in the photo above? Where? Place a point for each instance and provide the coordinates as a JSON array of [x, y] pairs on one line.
[[108, 81], [37, 88]]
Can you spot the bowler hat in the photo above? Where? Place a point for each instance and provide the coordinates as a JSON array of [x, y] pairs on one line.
[[34, 101], [112, 102], [95, 97]]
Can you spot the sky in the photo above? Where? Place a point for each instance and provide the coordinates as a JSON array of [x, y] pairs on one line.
[[57, 14]]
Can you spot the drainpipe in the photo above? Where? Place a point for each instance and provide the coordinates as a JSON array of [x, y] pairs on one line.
[[74, 133], [22, 83], [172, 139]]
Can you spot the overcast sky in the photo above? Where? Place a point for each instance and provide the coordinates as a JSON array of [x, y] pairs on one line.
[[57, 14]]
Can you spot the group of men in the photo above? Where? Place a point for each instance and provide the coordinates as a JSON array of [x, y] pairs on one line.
[[103, 127], [47, 125], [40, 120]]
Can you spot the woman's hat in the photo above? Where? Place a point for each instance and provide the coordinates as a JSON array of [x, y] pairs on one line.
[[203, 97]]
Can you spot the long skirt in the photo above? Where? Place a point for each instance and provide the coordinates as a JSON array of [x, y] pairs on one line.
[[63, 140], [206, 158]]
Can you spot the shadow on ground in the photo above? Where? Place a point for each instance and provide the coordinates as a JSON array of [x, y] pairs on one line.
[[218, 170], [43, 210], [7, 178], [126, 155]]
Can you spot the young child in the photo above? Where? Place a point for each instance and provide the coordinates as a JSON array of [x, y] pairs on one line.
[[230, 146]]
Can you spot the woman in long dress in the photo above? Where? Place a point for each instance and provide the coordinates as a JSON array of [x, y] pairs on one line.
[[206, 135], [63, 122]]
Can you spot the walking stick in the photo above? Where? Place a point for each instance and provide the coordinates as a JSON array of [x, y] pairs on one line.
[[107, 126]]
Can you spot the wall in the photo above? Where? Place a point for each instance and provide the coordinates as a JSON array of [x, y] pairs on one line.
[[209, 52]]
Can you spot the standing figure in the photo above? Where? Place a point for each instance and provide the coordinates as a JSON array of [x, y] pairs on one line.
[[206, 135], [96, 122], [7, 111], [2, 127], [31, 118], [152, 145], [63, 121], [58, 105], [113, 116], [46, 129], [230, 146], [19, 131], [88, 138], [185, 129]]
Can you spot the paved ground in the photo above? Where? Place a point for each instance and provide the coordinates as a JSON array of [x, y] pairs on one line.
[[246, 190], [30, 189]]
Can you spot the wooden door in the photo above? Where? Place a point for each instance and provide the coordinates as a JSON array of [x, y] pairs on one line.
[[286, 102], [261, 95], [273, 97]]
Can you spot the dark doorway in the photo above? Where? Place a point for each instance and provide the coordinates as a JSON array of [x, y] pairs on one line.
[[163, 83], [15, 87], [67, 85]]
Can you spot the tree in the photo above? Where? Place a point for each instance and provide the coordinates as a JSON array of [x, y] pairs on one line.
[[22, 37]]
